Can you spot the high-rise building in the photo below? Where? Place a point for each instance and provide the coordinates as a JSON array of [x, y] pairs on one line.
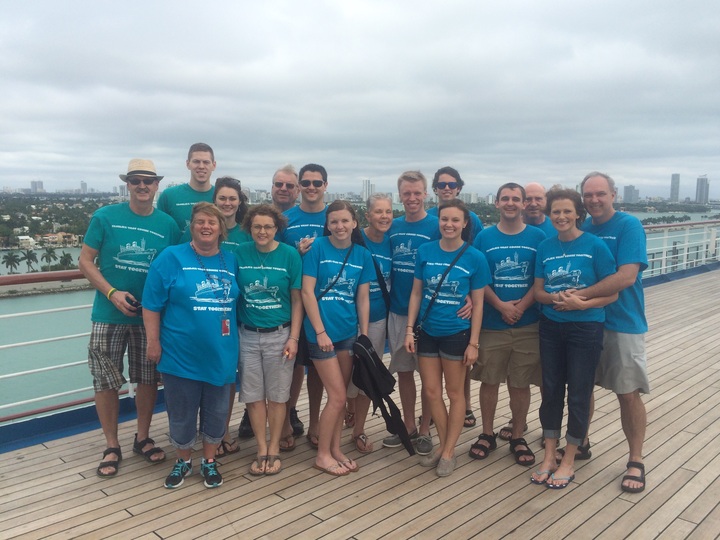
[[675, 188], [83, 187], [36, 186], [702, 190], [367, 189], [631, 195]]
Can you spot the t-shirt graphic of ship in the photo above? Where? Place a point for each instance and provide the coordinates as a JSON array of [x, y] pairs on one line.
[[136, 255]]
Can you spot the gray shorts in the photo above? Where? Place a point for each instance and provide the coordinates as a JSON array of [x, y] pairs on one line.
[[376, 333], [623, 363], [266, 374], [400, 360]]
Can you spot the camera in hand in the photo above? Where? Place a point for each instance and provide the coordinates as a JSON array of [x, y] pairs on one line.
[[135, 304]]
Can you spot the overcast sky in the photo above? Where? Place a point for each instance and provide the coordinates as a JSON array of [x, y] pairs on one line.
[[503, 91]]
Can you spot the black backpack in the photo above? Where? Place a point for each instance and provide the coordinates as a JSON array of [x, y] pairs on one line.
[[372, 377]]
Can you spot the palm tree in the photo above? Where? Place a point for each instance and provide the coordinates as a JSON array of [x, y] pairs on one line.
[[49, 256], [66, 260], [30, 257], [11, 260]]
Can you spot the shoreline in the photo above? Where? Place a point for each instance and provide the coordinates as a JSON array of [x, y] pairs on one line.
[[52, 287]]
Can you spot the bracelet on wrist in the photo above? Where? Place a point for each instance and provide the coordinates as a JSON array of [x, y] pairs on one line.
[[296, 339], [320, 333], [409, 326], [111, 292], [476, 345]]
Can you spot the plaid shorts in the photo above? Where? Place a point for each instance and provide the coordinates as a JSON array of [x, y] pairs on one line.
[[108, 343]]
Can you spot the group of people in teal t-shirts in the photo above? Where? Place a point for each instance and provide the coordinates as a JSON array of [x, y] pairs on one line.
[[216, 295]]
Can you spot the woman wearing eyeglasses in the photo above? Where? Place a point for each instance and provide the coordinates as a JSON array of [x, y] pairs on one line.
[[270, 314]]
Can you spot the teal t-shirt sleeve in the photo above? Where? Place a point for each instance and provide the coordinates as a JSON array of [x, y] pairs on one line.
[[310, 263], [185, 236], [162, 203], [633, 248], [94, 235], [158, 282], [295, 269]]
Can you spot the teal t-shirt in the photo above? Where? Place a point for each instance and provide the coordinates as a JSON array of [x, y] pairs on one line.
[[265, 281], [405, 239], [195, 295], [177, 202], [338, 310], [301, 225], [236, 236], [382, 254], [512, 264], [546, 226], [469, 273], [127, 244], [573, 265]]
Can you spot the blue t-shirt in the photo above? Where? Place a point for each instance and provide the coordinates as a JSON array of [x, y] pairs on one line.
[[195, 298], [546, 226], [469, 273], [512, 264], [625, 236], [475, 224], [337, 307], [127, 243], [265, 281], [301, 225], [405, 239], [382, 254], [573, 265]]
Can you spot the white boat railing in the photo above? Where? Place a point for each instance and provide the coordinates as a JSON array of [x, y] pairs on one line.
[[671, 248]]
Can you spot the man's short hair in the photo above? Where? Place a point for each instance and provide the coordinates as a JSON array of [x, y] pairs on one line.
[[412, 176], [610, 181], [288, 169], [313, 167], [200, 147], [510, 185], [450, 172]]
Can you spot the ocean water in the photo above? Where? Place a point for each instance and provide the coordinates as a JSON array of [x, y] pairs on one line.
[[39, 327]]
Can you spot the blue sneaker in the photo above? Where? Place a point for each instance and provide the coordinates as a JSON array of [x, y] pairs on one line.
[[208, 470], [177, 476]]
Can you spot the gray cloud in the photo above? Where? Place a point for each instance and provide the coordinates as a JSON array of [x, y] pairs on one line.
[[502, 91]]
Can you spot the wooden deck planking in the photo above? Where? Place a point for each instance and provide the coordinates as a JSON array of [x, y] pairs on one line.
[[392, 495]]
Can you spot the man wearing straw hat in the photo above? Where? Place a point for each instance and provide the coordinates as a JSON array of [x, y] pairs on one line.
[[124, 238]]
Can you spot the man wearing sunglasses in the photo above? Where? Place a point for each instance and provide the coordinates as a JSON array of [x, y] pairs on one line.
[[178, 201], [447, 185], [285, 188], [124, 238], [305, 223]]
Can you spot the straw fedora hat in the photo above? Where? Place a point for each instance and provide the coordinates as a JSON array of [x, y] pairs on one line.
[[140, 167]]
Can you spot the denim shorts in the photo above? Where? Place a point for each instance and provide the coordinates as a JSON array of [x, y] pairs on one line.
[[450, 347], [184, 399], [317, 354]]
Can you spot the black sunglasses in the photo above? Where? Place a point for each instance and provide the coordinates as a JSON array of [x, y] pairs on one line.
[[315, 183], [288, 185], [147, 180], [443, 185]]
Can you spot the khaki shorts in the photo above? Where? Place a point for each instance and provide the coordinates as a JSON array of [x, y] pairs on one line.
[[511, 356], [623, 363], [401, 361]]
